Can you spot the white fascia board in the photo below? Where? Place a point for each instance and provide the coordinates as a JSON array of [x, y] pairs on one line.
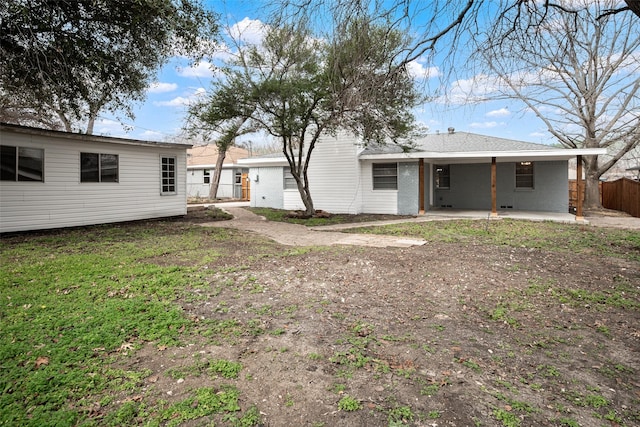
[[224, 166], [480, 156], [263, 162]]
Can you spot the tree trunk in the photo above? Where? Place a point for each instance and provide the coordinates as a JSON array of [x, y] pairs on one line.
[[305, 195], [65, 122], [592, 193], [213, 190], [90, 124], [592, 183]]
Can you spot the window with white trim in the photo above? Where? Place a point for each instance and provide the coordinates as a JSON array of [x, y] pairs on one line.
[[168, 179], [206, 176], [21, 163], [98, 167], [524, 175], [442, 177], [385, 176], [289, 180]]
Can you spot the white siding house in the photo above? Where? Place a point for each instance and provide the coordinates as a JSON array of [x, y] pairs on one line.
[[201, 163], [452, 170], [54, 179], [334, 177]]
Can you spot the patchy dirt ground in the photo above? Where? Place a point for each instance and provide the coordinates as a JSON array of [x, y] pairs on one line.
[[434, 335]]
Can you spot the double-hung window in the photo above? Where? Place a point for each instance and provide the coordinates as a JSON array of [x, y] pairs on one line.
[[385, 176], [443, 177], [289, 180], [168, 167], [99, 167], [21, 163], [206, 176], [524, 175]]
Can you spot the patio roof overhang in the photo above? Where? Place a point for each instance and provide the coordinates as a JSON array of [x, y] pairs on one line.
[[487, 156]]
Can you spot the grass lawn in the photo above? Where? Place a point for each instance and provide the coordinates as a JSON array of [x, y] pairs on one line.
[[79, 306]]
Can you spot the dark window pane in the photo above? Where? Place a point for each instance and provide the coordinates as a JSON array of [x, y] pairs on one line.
[[168, 166], [7, 163], [108, 168], [524, 181], [524, 175], [30, 164], [89, 167], [442, 177]]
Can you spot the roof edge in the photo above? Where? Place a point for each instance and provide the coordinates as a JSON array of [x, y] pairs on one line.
[[557, 153], [88, 138]]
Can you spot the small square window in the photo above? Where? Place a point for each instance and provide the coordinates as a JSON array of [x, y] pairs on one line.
[[524, 175], [289, 180], [385, 176]]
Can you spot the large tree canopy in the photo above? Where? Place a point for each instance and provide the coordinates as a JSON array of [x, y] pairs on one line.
[[296, 86], [77, 57], [579, 73]]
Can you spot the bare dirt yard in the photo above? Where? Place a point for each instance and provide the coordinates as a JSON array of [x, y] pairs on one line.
[[457, 332], [445, 334]]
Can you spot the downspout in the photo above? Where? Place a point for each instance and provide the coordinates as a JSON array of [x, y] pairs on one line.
[[579, 189], [421, 187], [494, 198]]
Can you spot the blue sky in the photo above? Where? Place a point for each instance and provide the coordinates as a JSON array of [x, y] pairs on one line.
[[162, 115]]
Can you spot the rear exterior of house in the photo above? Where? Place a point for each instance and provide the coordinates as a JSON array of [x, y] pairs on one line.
[[201, 164], [334, 176], [442, 171], [200, 177], [56, 179]]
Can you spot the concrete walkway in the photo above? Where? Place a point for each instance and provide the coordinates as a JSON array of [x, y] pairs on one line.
[[300, 235], [327, 235]]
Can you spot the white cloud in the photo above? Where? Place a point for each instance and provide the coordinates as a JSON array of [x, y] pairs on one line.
[[108, 127], [485, 125], [418, 70], [250, 31], [181, 101], [502, 112], [202, 69], [161, 87], [152, 135]]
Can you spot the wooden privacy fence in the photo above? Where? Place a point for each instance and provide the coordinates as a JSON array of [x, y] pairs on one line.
[[246, 187], [620, 195]]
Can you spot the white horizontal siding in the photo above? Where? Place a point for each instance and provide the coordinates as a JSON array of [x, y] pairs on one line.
[[334, 175], [266, 187], [197, 188], [376, 201], [63, 201], [227, 181], [333, 179], [292, 200]]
